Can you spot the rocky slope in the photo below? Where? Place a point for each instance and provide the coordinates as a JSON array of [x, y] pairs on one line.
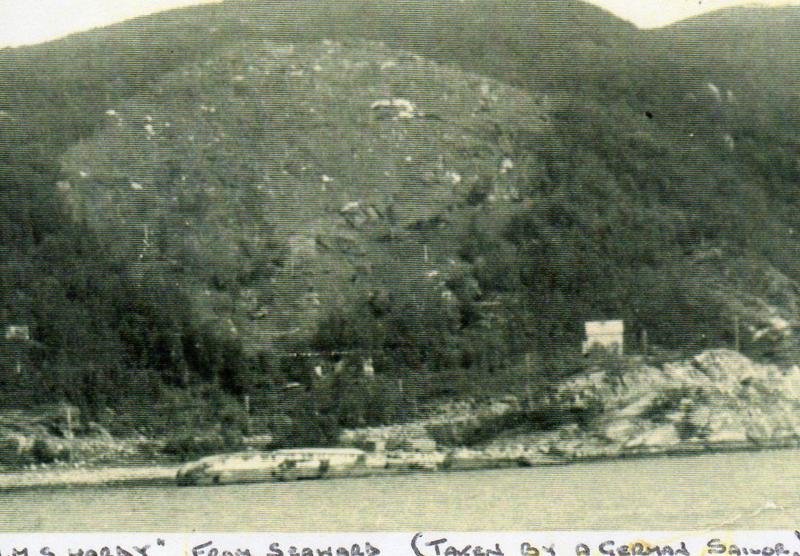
[[277, 181]]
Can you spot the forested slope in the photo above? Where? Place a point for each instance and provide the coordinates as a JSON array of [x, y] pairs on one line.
[[190, 198]]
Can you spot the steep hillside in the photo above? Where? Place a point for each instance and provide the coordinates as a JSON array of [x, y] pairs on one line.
[[277, 182], [759, 41]]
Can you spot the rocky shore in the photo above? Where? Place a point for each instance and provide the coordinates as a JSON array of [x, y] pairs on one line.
[[459, 460], [716, 401]]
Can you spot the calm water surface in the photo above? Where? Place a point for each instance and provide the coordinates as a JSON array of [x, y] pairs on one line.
[[739, 490]]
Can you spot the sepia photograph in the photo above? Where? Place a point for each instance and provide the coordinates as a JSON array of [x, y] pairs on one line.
[[399, 265]]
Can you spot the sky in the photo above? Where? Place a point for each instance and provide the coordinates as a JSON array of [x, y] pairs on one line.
[[656, 13], [33, 21]]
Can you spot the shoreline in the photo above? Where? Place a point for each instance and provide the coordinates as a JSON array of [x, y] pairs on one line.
[[105, 476], [165, 475]]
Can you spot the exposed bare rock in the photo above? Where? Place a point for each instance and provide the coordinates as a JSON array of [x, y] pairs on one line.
[[717, 397]]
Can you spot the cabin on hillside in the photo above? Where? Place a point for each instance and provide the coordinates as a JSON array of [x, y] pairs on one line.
[[604, 334], [18, 332]]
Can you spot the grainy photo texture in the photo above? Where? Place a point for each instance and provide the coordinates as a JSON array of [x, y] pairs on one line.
[[399, 265]]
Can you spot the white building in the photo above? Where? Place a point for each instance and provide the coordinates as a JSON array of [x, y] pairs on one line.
[[605, 334], [20, 332]]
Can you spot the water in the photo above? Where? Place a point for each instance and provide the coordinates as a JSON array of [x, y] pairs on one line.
[[733, 490]]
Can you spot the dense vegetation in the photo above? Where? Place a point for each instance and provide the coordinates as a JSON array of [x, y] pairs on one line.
[[660, 149]]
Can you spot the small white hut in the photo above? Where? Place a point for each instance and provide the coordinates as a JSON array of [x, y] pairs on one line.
[[605, 334]]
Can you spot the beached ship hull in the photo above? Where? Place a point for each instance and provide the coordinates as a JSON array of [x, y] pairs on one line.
[[287, 465], [280, 465]]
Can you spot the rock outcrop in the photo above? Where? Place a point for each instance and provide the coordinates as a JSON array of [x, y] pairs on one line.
[[718, 399]]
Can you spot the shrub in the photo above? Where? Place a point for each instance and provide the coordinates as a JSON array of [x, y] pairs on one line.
[[187, 447], [476, 431], [11, 455], [43, 452]]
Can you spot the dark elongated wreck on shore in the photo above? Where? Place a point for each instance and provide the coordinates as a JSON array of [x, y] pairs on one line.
[[318, 463]]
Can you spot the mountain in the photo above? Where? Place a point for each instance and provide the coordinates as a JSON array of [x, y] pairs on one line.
[[216, 200]]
